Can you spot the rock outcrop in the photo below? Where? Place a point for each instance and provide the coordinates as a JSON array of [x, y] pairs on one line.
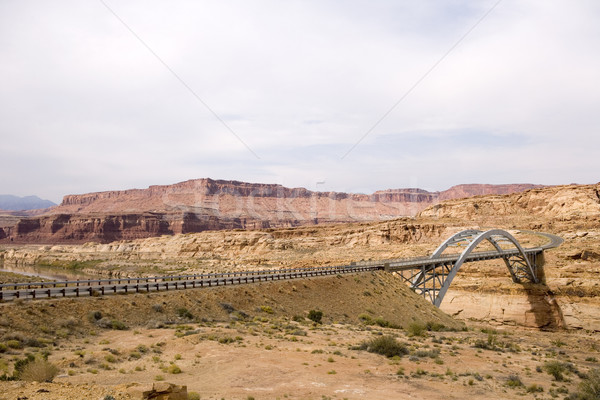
[[206, 204], [166, 391], [556, 202]]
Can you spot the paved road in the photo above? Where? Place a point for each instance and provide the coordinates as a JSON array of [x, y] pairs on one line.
[[96, 287], [555, 240]]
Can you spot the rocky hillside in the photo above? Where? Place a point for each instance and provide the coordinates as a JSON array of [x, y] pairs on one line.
[[552, 204], [213, 251], [206, 204]]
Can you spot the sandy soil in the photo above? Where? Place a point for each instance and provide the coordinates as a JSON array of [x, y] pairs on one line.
[[266, 360]]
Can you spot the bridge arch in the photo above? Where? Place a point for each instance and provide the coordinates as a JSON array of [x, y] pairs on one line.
[[518, 264], [457, 239], [433, 280]]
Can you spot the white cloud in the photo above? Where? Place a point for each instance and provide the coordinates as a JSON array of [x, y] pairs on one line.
[[85, 106]]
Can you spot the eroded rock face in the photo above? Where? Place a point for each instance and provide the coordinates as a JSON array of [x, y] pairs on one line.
[[532, 310], [558, 202], [242, 249], [206, 204]]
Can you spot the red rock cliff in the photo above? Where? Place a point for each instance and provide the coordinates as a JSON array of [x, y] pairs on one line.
[[206, 204]]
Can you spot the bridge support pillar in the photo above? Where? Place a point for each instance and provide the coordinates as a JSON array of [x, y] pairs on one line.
[[538, 260]]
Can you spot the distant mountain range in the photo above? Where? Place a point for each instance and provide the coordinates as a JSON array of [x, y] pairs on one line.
[[15, 203], [206, 204]]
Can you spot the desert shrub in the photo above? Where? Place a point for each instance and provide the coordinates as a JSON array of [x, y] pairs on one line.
[[69, 323], [193, 396], [184, 313], [416, 329], [142, 349], [427, 353], [110, 358], [556, 369], [157, 307], [33, 342], [534, 388], [490, 344], [3, 348], [514, 381], [14, 344], [108, 323], [385, 323], [419, 372], [494, 344], [315, 316], [238, 316], [94, 316], [298, 318], [38, 371], [435, 326], [385, 345], [173, 369], [489, 330], [118, 325], [589, 388], [365, 318], [20, 364], [266, 309]]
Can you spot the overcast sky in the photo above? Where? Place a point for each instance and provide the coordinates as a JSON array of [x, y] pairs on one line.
[[100, 96]]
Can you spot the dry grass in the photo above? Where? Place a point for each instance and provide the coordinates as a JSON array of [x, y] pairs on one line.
[[39, 371]]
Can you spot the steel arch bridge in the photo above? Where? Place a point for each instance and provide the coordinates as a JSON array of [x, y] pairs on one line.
[[433, 281], [431, 276]]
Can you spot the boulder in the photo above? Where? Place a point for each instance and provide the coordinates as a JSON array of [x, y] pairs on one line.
[[166, 391]]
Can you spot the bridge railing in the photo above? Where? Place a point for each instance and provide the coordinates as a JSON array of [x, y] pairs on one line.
[[397, 262], [208, 280]]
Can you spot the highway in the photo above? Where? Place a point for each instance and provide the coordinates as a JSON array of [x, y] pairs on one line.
[[99, 287]]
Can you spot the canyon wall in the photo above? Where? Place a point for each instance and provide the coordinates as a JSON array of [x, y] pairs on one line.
[[206, 204]]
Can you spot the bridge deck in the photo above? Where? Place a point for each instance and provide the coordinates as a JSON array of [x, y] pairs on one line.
[[93, 287]]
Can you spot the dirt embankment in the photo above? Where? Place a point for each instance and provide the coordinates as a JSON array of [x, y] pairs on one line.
[[341, 299]]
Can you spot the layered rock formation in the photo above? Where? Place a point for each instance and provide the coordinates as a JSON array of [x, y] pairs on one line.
[[557, 202], [241, 249], [206, 204]]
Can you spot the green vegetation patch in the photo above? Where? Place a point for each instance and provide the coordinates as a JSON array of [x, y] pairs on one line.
[[70, 265], [385, 345]]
